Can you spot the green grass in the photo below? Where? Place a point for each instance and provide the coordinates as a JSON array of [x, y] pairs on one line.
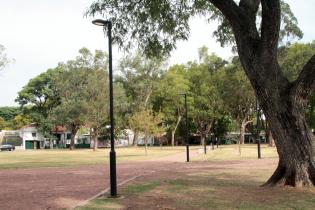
[[102, 204], [63, 158], [231, 152], [141, 188], [223, 184]]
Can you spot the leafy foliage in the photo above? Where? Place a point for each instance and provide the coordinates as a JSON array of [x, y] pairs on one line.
[[8, 113], [3, 58], [292, 59], [156, 26]]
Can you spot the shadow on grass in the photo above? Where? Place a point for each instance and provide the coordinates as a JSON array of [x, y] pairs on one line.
[[210, 188]]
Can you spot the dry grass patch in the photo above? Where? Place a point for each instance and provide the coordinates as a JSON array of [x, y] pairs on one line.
[[213, 185], [63, 158]]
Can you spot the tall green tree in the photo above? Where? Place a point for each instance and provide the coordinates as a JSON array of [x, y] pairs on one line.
[[3, 123], [73, 108], [8, 113], [255, 27], [83, 90], [139, 76], [98, 103], [21, 120], [238, 96], [168, 100], [39, 97], [207, 103], [94, 92]]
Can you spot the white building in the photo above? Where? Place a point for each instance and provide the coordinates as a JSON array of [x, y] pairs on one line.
[[31, 138]]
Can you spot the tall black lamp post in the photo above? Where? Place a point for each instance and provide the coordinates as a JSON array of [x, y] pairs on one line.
[[186, 127], [106, 24]]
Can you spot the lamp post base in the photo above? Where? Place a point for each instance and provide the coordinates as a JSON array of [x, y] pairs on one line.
[[187, 152], [113, 181], [258, 149]]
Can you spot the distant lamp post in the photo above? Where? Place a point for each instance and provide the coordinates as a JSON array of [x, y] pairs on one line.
[[106, 24], [205, 142], [186, 127], [257, 129]]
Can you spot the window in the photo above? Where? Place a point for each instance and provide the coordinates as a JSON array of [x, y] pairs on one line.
[[68, 135], [33, 134]]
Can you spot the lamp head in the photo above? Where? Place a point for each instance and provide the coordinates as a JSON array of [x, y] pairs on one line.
[[100, 22]]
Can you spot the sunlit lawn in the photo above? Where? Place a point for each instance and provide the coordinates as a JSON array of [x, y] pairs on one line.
[[232, 152], [222, 179], [59, 158]]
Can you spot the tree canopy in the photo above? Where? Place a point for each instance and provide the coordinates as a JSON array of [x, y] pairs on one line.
[[156, 26], [256, 27]]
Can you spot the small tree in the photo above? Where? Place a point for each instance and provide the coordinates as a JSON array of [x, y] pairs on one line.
[[146, 123]]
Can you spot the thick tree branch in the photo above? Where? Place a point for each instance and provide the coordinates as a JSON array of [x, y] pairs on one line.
[[247, 122], [230, 10], [270, 24], [304, 85], [250, 7]]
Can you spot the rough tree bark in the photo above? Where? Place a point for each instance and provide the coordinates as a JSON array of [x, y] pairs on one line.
[[242, 125], [135, 139], [74, 130], [269, 137], [95, 139], [204, 128], [179, 117], [283, 102]]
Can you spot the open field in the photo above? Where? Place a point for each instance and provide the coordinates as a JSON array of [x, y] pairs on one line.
[[229, 182], [63, 158], [231, 152], [222, 179]]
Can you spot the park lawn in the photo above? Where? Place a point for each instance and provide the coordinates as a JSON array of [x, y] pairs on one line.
[[231, 152], [221, 184], [63, 158]]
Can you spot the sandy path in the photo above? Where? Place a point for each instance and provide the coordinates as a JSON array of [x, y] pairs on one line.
[[59, 188]]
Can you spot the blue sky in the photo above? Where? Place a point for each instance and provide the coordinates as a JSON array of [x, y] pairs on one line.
[[40, 33]]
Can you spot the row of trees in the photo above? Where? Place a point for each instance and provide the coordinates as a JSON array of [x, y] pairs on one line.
[[254, 28], [148, 96]]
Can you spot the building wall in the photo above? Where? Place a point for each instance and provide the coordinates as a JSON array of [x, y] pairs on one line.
[[26, 134]]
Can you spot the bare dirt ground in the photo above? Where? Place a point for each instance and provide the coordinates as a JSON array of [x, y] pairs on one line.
[[64, 188]]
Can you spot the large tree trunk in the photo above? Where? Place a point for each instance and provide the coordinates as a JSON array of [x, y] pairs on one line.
[[295, 145], [271, 141], [242, 125], [135, 139], [173, 138], [95, 139], [282, 101], [146, 145], [284, 108], [74, 130], [202, 139], [242, 133]]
